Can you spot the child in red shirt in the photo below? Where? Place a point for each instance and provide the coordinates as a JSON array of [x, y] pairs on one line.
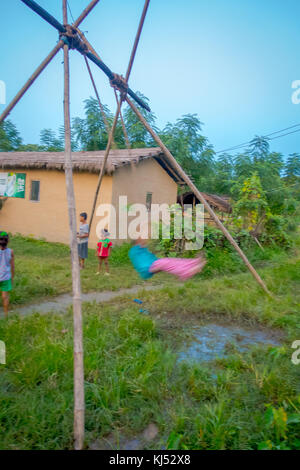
[[103, 251]]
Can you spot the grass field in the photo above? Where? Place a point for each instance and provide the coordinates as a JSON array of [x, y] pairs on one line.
[[43, 269], [248, 400]]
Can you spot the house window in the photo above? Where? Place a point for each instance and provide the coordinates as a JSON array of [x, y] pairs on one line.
[[148, 201], [35, 191]]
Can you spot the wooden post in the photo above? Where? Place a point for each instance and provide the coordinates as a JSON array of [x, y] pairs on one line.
[[77, 315], [197, 193]]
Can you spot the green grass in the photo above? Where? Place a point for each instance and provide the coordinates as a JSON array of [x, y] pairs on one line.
[[43, 269], [243, 401], [131, 379]]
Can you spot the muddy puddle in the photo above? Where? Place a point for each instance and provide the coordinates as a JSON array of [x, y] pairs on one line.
[[213, 340], [116, 442]]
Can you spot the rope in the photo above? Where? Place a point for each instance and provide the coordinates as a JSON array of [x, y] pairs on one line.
[[70, 11], [123, 124], [87, 44], [74, 41], [118, 82], [98, 98]]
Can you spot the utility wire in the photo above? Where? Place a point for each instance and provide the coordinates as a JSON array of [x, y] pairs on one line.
[[277, 137], [285, 187], [236, 147], [286, 129]]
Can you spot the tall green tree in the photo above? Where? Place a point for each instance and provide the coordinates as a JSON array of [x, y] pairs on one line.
[[49, 142], [191, 149], [90, 132], [251, 205], [10, 139], [223, 175], [267, 166], [137, 134], [292, 167], [259, 148]]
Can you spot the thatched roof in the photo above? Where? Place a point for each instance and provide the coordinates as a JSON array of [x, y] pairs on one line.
[[83, 161], [219, 202]]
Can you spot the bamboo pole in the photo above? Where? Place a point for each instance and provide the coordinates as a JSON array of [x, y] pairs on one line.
[[107, 150], [85, 13], [53, 21], [110, 134], [87, 43], [91, 49], [45, 15], [197, 193], [31, 80], [111, 76], [259, 244], [77, 315], [44, 64], [119, 103], [137, 39], [98, 98]]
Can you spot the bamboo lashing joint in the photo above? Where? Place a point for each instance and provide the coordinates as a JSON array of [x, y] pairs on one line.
[[119, 83], [73, 39]]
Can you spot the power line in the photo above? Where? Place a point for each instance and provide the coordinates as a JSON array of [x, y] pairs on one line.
[[293, 132], [285, 187], [266, 136], [236, 147], [286, 129]]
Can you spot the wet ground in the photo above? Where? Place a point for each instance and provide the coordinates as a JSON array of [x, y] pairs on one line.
[[213, 340], [62, 302], [113, 441]]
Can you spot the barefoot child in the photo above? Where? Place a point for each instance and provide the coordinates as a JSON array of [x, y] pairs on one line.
[[103, 251], [147, 264], [83, 238], [7, 270]]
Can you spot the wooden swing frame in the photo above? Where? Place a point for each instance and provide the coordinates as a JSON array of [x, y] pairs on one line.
[[72, 38]]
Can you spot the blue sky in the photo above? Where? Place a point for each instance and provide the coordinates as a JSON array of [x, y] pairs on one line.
[[230, 61]]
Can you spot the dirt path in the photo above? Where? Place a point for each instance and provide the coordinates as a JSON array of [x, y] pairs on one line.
[[62, 302]]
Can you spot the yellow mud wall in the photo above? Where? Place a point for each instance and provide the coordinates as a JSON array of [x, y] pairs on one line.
[[135, 181], [48, 218]]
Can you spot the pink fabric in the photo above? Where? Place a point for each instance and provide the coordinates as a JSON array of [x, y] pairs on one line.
[[184, 268]]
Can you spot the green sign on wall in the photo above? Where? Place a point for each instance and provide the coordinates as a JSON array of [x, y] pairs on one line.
[[12, 184]]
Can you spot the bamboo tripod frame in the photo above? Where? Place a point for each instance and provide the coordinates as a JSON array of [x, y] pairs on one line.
[[77, 313]]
